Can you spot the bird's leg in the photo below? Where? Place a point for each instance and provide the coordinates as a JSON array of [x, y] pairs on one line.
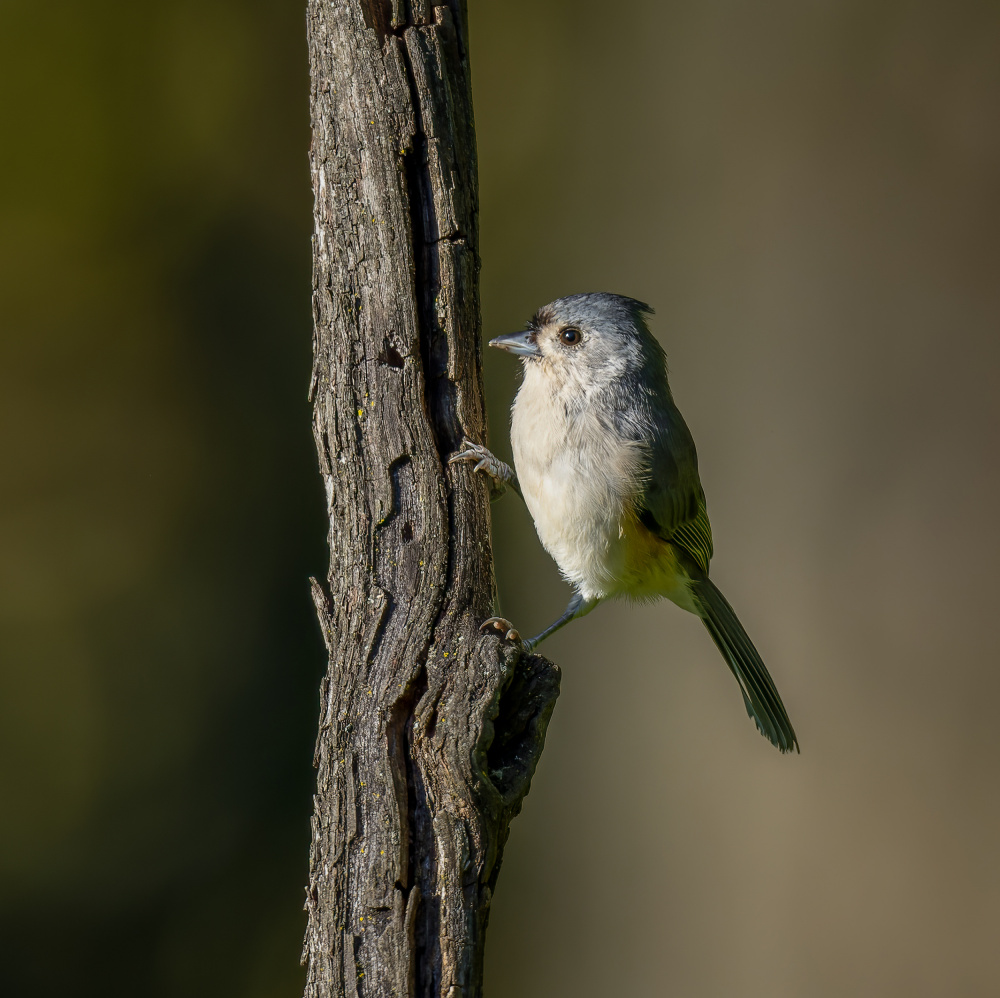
[[501, 475], [578, 607]]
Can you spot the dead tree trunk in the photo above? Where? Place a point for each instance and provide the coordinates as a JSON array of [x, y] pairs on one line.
[[429, 730]]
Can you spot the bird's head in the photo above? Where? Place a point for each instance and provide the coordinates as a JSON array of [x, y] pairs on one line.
[[585, 341]]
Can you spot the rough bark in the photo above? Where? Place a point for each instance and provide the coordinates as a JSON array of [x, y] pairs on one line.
[[429, 730]]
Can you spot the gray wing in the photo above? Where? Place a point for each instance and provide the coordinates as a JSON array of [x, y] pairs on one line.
[[672, 504]]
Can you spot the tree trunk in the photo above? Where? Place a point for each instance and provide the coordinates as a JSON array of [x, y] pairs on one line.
[[429, 730]]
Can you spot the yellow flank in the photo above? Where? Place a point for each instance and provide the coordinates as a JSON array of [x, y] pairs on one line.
[[651, 567]]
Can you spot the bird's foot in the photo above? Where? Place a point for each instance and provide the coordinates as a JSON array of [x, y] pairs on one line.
[[509, 631], [501, 475]]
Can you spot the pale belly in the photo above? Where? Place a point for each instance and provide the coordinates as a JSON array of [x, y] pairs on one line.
[[581, 499]]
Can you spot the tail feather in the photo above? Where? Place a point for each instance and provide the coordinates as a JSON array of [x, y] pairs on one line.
[[760, 696]]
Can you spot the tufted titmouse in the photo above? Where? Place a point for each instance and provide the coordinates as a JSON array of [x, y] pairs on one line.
[[608, 470]]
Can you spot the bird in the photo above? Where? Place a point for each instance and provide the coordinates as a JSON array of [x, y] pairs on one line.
[[609, 472]]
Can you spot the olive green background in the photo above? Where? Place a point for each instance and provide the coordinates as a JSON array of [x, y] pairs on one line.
[[809, 195]]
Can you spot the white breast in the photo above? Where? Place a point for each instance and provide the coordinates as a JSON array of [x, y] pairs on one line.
[[578, 481]]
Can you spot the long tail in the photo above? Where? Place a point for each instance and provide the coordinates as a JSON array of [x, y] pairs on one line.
[[759, 693]]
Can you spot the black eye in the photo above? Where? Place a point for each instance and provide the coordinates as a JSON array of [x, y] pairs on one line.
[[570, 336]]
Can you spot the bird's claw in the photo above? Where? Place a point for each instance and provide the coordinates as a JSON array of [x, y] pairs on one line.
[[482, 459], [469, 452], [510, 633]]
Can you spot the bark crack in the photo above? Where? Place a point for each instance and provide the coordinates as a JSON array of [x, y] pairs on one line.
[[426, 224]]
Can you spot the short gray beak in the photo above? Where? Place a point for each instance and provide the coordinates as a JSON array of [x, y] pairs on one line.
[[523, 344]]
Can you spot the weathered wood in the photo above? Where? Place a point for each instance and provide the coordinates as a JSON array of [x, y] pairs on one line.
[[429, 730]]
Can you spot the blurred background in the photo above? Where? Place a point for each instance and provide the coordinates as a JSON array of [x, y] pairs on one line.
[[809, 195]]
